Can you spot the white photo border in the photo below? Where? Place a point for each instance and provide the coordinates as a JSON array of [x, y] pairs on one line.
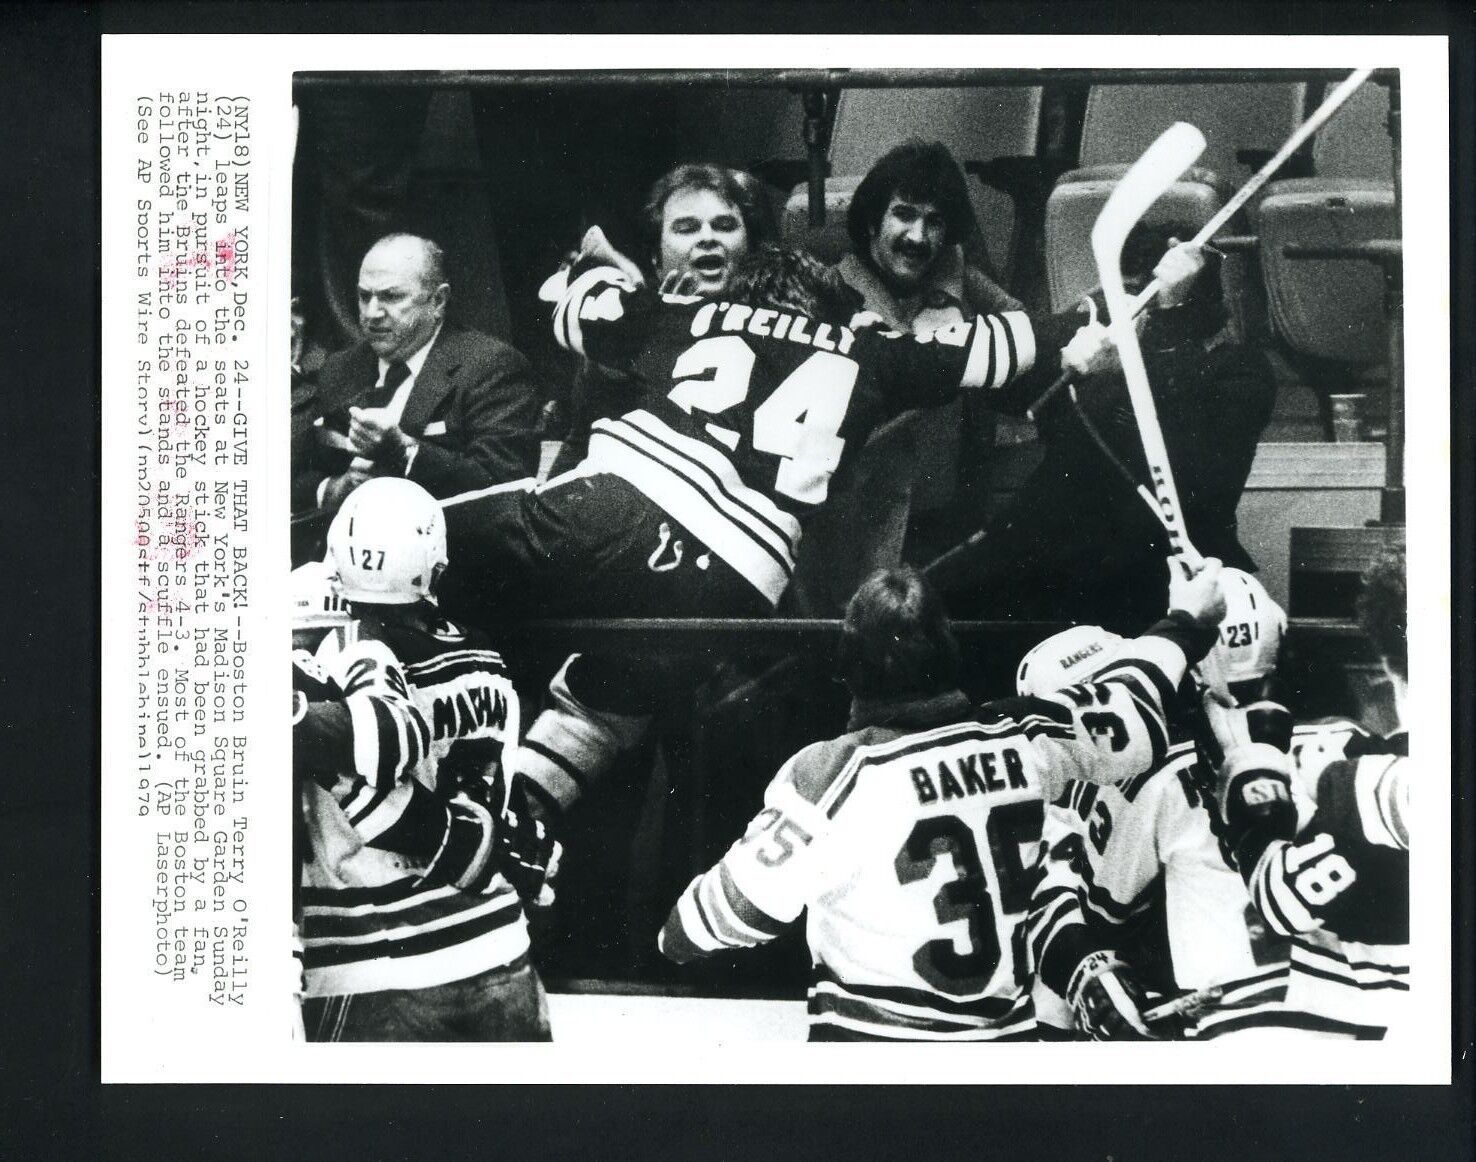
[[146, 1039]]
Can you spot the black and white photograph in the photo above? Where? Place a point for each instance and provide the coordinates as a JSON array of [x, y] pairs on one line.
[[943, 543], [1012, 672]]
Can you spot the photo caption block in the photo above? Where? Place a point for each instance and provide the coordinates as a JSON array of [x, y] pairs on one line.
[[194, 446], [191, 758]]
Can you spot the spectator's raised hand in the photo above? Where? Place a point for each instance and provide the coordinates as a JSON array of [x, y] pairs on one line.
[[1177, 270], [1196, 589]]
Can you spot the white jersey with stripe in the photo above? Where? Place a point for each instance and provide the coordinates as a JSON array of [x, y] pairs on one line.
[[913, 843], [747, 414], [370, 920], [1318, 744], [1144, 856]]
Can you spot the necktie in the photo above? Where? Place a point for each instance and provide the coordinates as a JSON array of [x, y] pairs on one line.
[[379, 397]]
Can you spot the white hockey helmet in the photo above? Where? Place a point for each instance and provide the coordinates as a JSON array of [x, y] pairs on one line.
[[1064, 659], [1251, 630], [388, 542], [319, 610], [316, 600]]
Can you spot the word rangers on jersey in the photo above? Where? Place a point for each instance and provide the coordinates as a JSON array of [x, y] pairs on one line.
[[977, 774], [768, 323]]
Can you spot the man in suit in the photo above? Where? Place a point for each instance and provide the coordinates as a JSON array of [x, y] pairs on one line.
[[453, 410]]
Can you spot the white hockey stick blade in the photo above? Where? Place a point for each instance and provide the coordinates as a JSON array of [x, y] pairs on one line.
[[1176, 150], [1334, 101]]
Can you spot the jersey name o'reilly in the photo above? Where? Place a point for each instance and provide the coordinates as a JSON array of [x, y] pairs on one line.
[[769, 323]]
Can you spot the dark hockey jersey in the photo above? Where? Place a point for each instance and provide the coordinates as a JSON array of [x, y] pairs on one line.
[[747, 414], [400, 890], [1340, 892]]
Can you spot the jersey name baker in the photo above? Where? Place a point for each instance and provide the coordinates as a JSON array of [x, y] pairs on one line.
[[971, 774], [771, 324]]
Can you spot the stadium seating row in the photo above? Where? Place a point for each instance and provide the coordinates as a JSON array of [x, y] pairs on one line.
[[1329, 311]]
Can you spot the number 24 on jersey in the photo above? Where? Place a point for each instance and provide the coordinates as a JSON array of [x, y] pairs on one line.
[[799, 423]]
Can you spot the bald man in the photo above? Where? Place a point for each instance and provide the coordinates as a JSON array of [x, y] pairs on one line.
[[451, 409]]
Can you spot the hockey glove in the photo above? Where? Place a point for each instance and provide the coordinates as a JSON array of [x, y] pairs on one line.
[[1090, 350], [526, 852], [1106, 1002], [1176, 272], [1197, 592], [1254, 786]]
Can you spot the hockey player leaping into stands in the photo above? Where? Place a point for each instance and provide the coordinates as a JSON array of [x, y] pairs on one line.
[[693, 503], [1337, 886], [417, 857], [913, 838]]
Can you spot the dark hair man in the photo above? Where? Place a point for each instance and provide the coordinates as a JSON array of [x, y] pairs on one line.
[[854, 828], [909, 221]]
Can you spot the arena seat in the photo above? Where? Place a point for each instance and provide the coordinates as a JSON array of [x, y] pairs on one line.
[[975, 124], [1075, 203], [1355, 143], [1331, 310], [1330, 315], [1240, 122], [828, 242]]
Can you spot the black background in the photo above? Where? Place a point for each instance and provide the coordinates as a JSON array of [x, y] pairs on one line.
[[51, 1105]]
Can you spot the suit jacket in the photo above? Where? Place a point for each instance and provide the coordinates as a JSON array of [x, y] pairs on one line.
[[474, 408]]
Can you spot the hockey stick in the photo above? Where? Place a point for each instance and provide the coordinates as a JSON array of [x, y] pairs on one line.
[[1113, 459], [1188, 1006], [1334, 101], [1306, 129], [1145, 181]]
